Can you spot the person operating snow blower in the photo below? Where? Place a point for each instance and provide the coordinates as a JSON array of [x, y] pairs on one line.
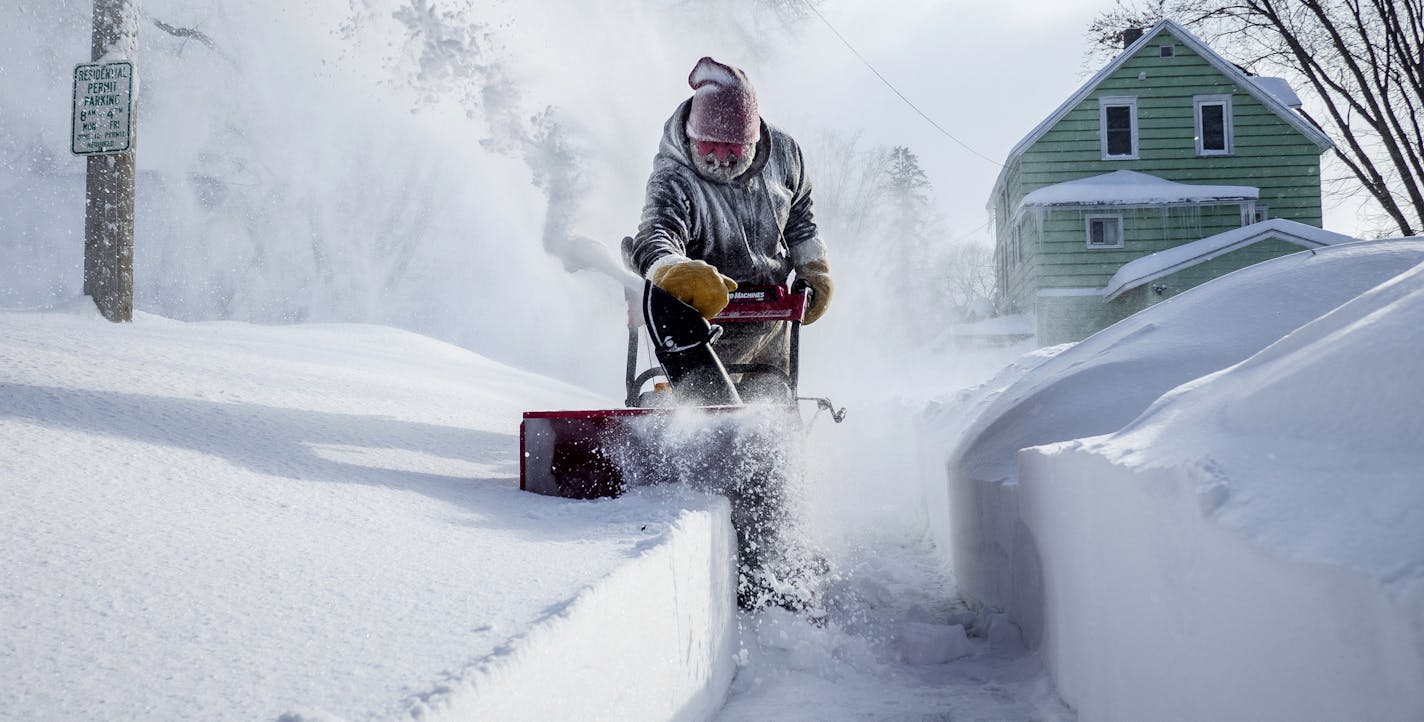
[[728, 205]]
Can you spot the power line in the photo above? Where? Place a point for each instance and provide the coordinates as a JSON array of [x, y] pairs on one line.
[[967, 234], [892, 87]]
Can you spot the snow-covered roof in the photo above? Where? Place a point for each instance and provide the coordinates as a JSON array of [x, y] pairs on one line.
[[1280, 89], [1222, 65], [1128, 187], [1162, 263]]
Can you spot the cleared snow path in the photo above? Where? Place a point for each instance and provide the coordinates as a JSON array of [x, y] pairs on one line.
[[894, 649], [897, 645]]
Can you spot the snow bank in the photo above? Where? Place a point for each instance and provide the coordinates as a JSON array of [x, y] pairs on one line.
[[655, 640], [1151, 609], [225, 521], [1102, 383], [1252, 547]]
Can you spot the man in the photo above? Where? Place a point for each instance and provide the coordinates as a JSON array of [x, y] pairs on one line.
[[729, 203]]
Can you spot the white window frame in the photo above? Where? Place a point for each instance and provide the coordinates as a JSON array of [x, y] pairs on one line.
[[1167, 50], [1088, 229], [1201, 101], [1112, 102]]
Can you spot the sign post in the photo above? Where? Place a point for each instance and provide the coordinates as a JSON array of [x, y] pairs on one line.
[[103, 131]]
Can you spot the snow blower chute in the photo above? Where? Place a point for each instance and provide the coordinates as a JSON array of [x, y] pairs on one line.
[[691, 424]]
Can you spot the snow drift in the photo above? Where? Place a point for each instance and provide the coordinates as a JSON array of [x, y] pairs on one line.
[[1104, 382], [226, 521], [1250, 547]]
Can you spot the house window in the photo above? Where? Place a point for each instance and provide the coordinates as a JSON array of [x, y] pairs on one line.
[[1167, 51], [1118, 121], [1214, 133], [1104, 231]]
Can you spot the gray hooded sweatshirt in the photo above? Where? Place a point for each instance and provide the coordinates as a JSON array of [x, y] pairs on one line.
[[755, 229]]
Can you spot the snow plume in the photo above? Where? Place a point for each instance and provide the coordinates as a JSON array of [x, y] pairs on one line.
[[560, 168], [450, 53], [752, 456]]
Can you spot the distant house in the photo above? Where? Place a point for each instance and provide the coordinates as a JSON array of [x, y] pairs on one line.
[[1169, 149]]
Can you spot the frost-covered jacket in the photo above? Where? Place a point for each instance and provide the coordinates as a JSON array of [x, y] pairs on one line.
[[755, 229]]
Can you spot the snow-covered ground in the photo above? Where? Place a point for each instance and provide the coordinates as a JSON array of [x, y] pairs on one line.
[[1222, 514], [226, 521], [230, 521]]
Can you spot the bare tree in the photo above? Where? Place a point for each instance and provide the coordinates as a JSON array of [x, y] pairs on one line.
[[1364, 59], [969, 279], [849, 187]]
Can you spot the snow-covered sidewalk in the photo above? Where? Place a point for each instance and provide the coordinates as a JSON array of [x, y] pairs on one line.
[[226, 521]]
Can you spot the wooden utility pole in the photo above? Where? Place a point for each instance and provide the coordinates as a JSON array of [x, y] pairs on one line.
[[109, 184]]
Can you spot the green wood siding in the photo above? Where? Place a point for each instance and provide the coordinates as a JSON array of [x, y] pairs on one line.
[[1267, 152]]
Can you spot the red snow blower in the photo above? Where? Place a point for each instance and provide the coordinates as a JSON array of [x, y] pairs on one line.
[[691, 423]]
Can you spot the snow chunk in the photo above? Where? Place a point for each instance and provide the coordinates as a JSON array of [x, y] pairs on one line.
[[921, 643]]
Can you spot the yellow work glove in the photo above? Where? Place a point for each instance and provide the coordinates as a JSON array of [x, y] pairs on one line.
[[818, 275], [697, 284]]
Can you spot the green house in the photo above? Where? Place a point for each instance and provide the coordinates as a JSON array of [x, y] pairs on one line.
[[1171, 159]]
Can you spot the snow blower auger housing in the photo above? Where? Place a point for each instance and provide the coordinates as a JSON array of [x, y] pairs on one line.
[[691, 423]]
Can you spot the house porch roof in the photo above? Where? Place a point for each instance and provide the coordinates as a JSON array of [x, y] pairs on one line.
[[1163, 263]]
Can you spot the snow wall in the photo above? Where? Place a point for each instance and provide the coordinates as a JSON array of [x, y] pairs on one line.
[[1207, 561], [636, 646]]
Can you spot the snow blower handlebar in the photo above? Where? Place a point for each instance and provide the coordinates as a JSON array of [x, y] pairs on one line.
[[680, 337], [683, 340]]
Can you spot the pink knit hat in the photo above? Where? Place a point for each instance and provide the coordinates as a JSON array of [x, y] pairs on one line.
[[724, 107]]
